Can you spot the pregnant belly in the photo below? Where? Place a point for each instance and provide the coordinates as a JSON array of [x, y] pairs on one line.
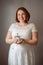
[[18, 48]]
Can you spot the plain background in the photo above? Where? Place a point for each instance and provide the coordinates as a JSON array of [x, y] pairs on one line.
[[7, 16]]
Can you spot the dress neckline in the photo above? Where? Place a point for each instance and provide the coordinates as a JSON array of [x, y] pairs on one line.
[[22, 26]]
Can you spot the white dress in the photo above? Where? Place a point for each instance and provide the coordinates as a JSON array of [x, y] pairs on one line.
[[20, 54]]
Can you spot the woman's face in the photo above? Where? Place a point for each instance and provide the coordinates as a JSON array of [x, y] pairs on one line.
[[21, 16]]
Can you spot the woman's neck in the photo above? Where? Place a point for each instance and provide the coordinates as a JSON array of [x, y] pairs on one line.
[[22, 24]]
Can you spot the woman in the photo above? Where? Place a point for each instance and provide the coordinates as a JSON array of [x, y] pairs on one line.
[[21, 35]]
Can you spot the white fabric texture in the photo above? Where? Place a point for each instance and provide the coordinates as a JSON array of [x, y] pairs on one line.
[[20, 54]]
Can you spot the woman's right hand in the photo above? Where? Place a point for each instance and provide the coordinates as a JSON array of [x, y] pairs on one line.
[[14, 40]]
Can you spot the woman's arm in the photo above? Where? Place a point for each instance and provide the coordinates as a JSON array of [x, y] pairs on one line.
[[9, 38], [34, 39]]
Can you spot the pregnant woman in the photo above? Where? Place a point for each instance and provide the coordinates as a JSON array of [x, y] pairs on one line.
[[20, 36]]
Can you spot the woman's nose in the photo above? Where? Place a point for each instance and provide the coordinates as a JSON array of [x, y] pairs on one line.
[[21, 16]]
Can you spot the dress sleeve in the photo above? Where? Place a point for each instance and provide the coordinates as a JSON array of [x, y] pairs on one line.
[[10, 28], [34, 29]]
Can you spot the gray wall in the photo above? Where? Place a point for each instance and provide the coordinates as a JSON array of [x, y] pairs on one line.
[[7, 11]]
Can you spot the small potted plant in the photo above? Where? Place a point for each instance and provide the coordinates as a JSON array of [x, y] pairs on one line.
[[17, 37]]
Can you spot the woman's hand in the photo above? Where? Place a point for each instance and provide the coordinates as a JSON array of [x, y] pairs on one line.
[[14, 40], [19, 41]]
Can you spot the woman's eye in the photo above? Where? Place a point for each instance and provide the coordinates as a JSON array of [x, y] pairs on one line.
[[18, 14], [23, 14]]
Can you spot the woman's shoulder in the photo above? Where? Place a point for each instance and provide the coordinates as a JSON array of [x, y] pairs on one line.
[[31, 24], [13, 24]]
